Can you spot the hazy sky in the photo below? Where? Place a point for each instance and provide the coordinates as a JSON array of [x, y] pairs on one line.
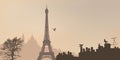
[[77, 21]]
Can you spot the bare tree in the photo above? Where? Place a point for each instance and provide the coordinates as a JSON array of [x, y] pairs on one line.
[[11, 48]]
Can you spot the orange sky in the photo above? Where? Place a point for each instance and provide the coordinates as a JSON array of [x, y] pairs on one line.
[[77, 21]]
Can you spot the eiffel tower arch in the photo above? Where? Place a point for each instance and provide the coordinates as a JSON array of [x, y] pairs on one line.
[[46, 42]]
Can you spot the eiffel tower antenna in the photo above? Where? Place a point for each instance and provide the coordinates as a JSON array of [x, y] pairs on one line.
[[46, 6], [46, 41]]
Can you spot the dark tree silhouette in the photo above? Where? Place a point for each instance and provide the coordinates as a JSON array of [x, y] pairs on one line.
[[11, 48]]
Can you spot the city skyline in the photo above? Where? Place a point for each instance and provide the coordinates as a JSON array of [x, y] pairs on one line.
[[78, 21]]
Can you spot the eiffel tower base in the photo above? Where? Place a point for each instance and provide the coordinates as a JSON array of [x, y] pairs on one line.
[[46, 55]]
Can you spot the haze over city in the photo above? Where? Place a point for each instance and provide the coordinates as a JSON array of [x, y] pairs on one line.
[[77, 21]]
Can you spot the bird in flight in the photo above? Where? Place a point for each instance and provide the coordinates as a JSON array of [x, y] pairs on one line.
[[54, 29]]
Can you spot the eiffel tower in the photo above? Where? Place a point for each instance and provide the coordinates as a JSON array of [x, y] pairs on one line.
[[46, 42]]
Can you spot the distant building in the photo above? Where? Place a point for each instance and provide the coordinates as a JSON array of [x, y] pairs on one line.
[[101, 53]]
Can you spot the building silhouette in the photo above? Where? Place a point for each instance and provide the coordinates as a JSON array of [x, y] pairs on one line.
[[46, 42], [101, 53], [30, 49]]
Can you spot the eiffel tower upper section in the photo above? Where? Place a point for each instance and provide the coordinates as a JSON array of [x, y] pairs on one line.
[[46, 36]]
